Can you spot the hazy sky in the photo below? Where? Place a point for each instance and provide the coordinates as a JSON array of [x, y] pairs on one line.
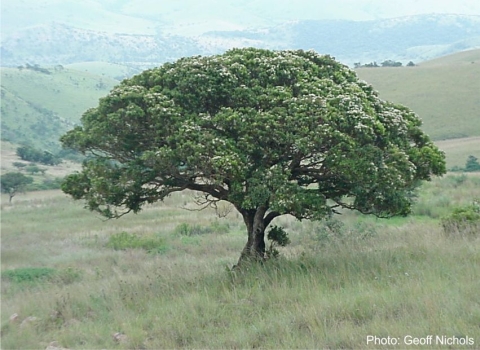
[[375, 9], [193, 17]]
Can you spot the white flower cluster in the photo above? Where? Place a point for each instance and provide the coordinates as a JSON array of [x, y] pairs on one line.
[[123, 91]]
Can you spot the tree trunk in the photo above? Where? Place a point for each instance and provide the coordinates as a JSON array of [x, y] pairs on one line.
[[255, 247]]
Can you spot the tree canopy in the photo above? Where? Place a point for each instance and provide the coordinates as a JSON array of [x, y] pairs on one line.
[[472, 164], [272, 132], [12, 183]]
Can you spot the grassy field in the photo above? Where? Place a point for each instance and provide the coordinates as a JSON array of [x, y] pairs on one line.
[[163, 278], [444, 92], [336, 284], [112, 70], [458, 150]]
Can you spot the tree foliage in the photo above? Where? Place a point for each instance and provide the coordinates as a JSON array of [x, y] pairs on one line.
[[472, 164], [272, 132], [34, 155], [12, 183]]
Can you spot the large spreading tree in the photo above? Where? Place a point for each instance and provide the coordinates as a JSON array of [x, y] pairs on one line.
[[272, 132]]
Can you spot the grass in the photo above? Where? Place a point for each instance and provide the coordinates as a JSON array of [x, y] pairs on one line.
[[113, 70], [458, 150], [442, 92], [334, 285], [37, 107]]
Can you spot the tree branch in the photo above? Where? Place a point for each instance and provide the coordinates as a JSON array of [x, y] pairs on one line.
[[270, 216]]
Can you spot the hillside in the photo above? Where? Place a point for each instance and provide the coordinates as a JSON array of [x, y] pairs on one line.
[[38, 105], [444, 92], [56, 43], [166, 34], [408, 38]]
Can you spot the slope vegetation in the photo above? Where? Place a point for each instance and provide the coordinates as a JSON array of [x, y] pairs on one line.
[[38, 105], [444, 92]]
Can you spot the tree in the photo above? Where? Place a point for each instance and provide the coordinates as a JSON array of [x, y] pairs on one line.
[[272, 132], [391, 63], [34, 155], [472, 164], [12, 183]]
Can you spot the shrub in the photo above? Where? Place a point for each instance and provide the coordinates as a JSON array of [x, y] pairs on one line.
[[125, 240], [46, 184], [33, 169], [19, 165], [278, 238], [42, 274], [219, 227], [34, 155], [463, 220], [28, 274], [472, 164]]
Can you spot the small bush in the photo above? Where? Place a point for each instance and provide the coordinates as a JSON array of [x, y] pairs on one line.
[[34, 155], [463, 220], [42, 274], [19, 165], [219, 227], [472, 164], [125, 240], [277, 237], [28, 274]]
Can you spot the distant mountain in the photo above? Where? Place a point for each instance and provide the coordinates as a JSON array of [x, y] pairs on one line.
[[193, 17], [413, 38], [57, 43]]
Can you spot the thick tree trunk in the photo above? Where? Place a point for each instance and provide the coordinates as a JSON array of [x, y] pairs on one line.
[[255, 247]]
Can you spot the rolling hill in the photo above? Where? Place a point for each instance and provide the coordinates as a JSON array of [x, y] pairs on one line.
[[444, 92], [40, 104], [37, 106]]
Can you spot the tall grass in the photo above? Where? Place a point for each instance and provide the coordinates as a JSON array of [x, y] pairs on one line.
[[334, 285]]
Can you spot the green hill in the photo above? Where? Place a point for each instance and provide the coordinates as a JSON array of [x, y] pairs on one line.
[[39, 104], [113, 70], [444, 92]]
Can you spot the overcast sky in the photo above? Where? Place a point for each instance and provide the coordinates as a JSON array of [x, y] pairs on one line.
[[375, 9], [193, 17]]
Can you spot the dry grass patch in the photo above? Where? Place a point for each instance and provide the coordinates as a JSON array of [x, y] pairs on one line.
[[371, 277]]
